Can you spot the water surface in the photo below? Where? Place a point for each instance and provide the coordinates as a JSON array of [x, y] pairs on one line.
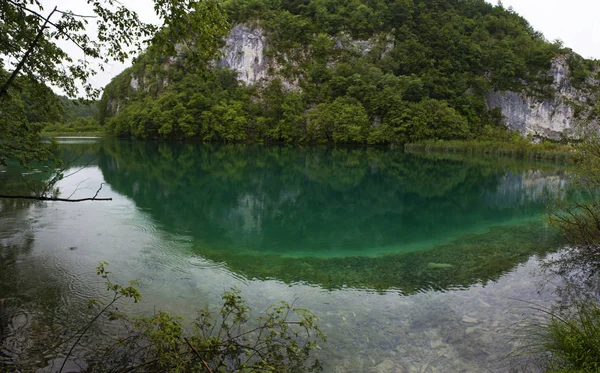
[[411, 261]]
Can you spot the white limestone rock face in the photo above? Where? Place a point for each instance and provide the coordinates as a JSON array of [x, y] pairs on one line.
[[134, 84], [552, 119], [245, 48], [244, 53], [381, 43]]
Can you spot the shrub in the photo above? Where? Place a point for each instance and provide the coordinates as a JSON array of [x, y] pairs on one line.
[[226, 341], [567, 341]]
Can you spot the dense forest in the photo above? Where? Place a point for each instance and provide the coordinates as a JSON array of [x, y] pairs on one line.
[[425, 75]]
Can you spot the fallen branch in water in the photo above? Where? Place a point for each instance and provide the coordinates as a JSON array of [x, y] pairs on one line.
[[42, 198]]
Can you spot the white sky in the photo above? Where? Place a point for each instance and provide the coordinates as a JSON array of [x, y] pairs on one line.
[[573, 21]]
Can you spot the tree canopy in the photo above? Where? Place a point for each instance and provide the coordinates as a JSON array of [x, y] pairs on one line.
[[34, 57]]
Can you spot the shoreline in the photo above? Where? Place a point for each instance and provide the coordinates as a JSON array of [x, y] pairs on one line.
[[545, 151]]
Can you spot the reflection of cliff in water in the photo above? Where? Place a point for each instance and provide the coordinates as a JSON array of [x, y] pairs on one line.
[[330, 206], [527, 187]]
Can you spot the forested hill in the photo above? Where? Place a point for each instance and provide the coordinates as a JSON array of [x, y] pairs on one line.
[[359, 71]]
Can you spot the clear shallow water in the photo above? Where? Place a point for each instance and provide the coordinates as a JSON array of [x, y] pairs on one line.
[[412, 262]]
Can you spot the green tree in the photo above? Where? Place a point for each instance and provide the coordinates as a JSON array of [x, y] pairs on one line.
[[343, 121], [390, 57], [226, 121], [432, 119], [31, 39]]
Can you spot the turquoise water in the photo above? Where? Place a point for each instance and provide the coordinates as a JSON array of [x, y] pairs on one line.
[[392, 250], [317, 202]]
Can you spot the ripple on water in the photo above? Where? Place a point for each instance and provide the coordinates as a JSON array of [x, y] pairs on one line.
[[79, 280], [20, 320], [139, 223], [181, 240], [220, 267], [145, 280], [202, 263]]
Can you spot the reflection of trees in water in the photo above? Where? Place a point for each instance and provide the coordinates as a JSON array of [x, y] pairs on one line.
[[76, 155], [301, 198], [17, 181], [33, 313], [40, 179], [11, 251], [37, 305], [238, 201], [27, 289]]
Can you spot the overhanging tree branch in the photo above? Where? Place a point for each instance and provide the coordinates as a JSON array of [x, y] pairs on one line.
[[21, 63], [198, 355], [57, 27]]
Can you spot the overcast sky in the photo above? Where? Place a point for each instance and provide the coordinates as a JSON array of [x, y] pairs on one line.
[[573, 21]]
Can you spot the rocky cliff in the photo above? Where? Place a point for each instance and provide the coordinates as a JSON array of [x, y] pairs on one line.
[[244, 52], [567, 115]]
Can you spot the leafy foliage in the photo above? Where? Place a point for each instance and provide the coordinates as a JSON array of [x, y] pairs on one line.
[[564, 341], [35, 59], [279, 341], [21, 140]]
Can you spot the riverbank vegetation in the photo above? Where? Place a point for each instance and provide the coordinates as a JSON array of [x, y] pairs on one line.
[[518, 147], [566, 341], [81, 126], [75, 118], [566, 338], [102, 337]]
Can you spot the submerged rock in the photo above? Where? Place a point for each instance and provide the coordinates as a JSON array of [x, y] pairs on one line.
[[388, 366], [440, 265], [469, 320]]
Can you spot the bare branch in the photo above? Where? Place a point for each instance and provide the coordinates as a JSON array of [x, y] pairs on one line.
[[70, 13], [87, 327], [98, 191], [35, 198], [77, 187]]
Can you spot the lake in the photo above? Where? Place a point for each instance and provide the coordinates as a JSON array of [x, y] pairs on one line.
[[413, 262]]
